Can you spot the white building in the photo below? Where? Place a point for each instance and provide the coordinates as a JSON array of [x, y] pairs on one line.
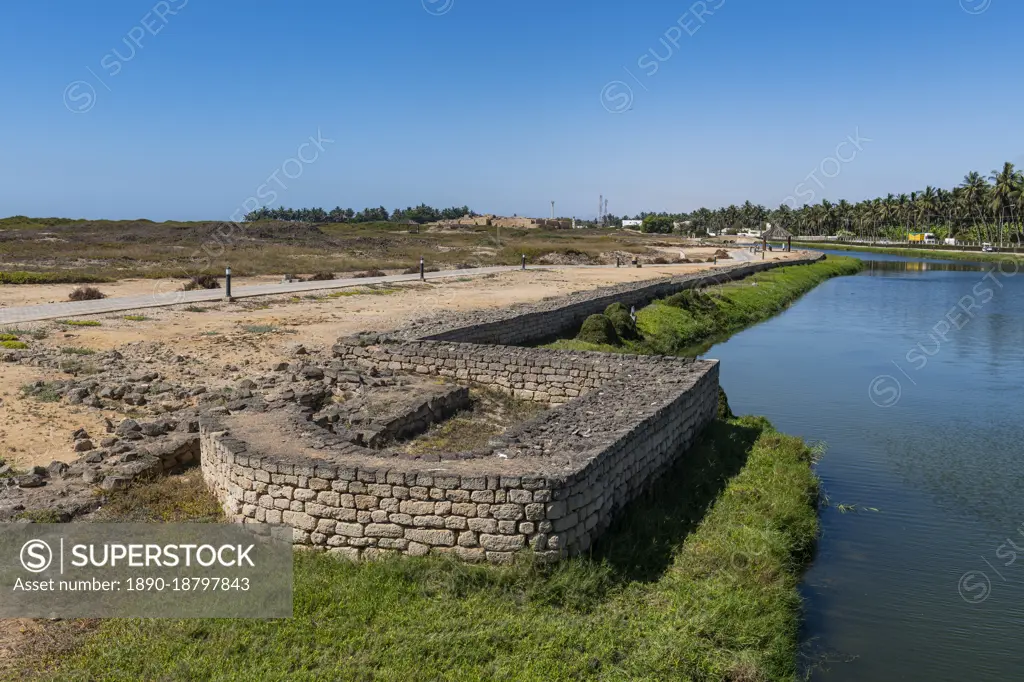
[[632, 223]]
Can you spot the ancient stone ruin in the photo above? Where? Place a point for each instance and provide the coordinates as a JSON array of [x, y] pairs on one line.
[[551, 485]]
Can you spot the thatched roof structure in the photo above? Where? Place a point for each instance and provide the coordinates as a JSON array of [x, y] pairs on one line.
[[776, 233]]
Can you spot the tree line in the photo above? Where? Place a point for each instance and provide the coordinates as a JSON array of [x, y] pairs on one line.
[[981, 209], [418, 214]]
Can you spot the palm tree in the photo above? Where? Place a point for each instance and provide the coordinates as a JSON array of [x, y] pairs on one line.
[[1005, 189]]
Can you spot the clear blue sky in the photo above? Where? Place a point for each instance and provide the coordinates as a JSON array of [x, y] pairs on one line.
[[498, 104]]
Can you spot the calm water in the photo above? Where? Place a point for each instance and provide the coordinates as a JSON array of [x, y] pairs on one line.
[[920, 405]]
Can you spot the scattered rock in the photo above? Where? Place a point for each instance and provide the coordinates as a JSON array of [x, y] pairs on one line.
[[84, 445]]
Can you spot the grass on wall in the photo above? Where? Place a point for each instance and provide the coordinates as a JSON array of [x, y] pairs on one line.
[[680, 323]]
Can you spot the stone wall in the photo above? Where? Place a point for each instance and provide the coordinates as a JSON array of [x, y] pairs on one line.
[[534, 323], [551, 486], [538, 374]]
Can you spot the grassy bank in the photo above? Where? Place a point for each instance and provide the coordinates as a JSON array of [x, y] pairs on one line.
[[939, 254], [681, 323], [697, 586]]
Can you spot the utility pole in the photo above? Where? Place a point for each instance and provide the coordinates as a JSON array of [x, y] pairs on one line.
[[552, 210]]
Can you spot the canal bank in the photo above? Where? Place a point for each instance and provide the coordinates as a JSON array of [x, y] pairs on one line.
[[916, 575], [937, 253]]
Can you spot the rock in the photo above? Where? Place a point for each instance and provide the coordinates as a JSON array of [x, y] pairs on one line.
[[94, 457], [198, 390], [153, 429], [135, 399], [145, 377], [246, 384], [5, 469], [84, 445], [79, 434], [77, 395], [299, 350], [127, 426], [279, 367], [30, 481], [312, 373], [57, 468], [116, 482], [237, 405], [109, 442]]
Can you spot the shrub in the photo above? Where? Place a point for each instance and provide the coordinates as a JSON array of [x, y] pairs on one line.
[[371, 273], [623, 322], [201, 282], [320, 277], [80, 323], [598, 329], [86, 294], [13, 345], [136, 318], [8, 337], [415, 270]]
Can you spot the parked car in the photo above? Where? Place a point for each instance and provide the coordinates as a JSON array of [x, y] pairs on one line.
[[987, 247]]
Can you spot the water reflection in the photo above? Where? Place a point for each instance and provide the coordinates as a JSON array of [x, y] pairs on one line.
[[942, 464]]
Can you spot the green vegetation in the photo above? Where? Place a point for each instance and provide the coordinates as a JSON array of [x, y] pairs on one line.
[[598, 330], [679, 324], [697, 586], [43, 391], [625, 325], [40, 516], [167, 499], [75, 350], [13, 345], [136, 318], [661, 224], [51, 277], [80, 323]]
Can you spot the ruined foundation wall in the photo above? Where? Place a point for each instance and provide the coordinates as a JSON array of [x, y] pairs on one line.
[[373, 507], [551, 485]]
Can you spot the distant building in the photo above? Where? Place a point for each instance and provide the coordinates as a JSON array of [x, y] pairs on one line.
[[632, 223]]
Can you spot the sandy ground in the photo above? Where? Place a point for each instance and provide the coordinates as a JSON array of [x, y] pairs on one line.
[[12, 295], [251, 333]]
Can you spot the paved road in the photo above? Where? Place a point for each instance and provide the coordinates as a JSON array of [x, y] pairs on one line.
[[157, 299]]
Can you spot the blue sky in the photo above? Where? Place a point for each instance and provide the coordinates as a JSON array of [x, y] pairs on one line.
[[499, 104]]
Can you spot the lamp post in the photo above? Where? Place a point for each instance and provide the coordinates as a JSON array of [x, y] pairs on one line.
[[524, 255], [423, 273], [227, 283]]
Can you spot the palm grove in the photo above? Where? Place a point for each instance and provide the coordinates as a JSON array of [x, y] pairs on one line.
[[980, 209]]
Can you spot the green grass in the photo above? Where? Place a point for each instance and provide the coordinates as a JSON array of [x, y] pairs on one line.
[[13, 345], [940, 254], [136, 318], [682, 324], [698, 586], [80, 323]]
